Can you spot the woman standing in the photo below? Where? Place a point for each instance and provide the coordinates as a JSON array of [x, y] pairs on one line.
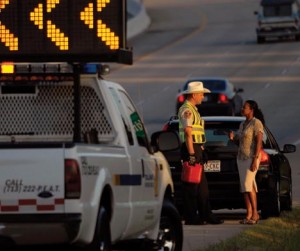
[[249, 138]]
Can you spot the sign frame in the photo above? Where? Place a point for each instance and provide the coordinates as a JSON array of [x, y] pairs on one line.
[[38, 31]]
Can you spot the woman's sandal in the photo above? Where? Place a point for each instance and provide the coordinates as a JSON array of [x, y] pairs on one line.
[[245, 221], [252, 221]]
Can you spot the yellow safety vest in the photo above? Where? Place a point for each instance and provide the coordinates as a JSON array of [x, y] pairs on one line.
[[198, 132]]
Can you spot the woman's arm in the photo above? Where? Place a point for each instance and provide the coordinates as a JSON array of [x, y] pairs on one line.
[[258, 147]]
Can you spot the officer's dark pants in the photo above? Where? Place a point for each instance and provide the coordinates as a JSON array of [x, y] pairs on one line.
[[195, 196], [196, 201]]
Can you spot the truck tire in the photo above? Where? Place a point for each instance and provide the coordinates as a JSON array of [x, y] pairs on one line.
[[102, 235], [260, 40], [170, 230]]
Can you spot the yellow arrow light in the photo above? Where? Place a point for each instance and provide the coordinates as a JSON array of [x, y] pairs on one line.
[[107, 35], [54, 33], [57, 36], [51, 4], [36, 16], [3, 3], [87, 16], [103, 32], [102, 4], [6, 36]]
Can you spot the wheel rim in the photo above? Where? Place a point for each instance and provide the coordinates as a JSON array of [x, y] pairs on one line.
[[167, 235]]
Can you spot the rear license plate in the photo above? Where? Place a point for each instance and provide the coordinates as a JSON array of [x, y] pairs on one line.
[[212, 166]]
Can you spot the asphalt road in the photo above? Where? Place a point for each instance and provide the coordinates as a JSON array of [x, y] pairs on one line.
[[214, 38]]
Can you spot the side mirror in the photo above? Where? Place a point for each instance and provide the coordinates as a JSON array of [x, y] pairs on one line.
[[238, 90], [289, 148], [255, 12], [165, 141]]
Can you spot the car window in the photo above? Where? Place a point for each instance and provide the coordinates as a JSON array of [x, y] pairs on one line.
[[269, 140], [265, 140]]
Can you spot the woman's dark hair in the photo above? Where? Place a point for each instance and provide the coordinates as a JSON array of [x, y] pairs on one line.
[[257, 113]]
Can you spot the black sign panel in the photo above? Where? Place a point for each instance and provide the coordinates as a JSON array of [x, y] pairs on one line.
[[63, 31]]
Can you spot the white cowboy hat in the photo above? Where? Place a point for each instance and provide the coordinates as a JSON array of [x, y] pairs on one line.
[[195, 87]]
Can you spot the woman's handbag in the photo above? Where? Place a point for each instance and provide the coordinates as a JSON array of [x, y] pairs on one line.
[[191, 174]]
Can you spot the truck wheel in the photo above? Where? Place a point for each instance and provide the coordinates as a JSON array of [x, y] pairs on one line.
[[170, 236], [102, 237], [260, 40]]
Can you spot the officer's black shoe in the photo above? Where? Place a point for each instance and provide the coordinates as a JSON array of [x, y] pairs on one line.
[[214, 220], [195, 222]]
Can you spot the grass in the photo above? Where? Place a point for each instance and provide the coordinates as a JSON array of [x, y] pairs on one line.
[[275, 234]]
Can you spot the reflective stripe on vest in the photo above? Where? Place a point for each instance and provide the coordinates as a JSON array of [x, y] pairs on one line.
[[198, 132]]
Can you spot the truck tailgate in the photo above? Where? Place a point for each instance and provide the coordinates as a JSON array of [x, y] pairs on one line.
[[31, 180]]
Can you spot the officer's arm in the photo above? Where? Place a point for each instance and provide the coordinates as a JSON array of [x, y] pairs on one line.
[[189, 140]]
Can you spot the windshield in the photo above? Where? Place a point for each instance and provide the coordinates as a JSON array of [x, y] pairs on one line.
[[213, 85], [278, 10]]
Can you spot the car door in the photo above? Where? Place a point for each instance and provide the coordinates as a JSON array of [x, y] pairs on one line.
[[281, 166]]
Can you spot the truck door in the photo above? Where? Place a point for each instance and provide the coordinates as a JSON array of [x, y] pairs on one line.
[[144, 169]]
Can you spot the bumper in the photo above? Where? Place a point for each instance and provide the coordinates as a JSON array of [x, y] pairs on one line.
[[27, 229], [277, 33]]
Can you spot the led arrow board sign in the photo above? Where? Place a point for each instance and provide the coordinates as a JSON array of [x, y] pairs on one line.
[[63, 31]]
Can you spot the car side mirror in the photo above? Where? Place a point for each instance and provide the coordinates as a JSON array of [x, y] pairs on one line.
[[289, 148], [165, 141], [238, 90], [255, 12]]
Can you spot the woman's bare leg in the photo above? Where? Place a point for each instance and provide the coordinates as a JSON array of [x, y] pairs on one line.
[[253, 202], [248, 205]]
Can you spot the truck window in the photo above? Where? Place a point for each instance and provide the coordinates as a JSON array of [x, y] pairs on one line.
[[126, 123], [136, 121]]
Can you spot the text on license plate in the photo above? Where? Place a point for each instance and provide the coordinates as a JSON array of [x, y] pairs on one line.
[[212, 166]]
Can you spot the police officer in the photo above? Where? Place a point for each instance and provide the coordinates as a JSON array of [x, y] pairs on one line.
[[197, 209]]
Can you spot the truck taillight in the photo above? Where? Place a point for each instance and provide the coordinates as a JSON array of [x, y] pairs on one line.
[[72, 179], [264, 161]]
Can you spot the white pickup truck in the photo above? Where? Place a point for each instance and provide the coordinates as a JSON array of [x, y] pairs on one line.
[[278, 19], [76, 166]]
